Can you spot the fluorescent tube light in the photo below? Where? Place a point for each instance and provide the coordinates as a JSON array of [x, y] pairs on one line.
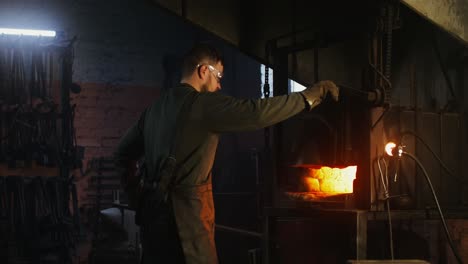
[[27, 32]]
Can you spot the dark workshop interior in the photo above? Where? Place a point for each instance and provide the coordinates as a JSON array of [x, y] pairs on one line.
[[321, 187]]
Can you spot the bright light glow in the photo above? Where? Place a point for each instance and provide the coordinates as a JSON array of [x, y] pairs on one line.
[[330, 180], [27, 32], [389, 148], [297, 87], [293, 86]]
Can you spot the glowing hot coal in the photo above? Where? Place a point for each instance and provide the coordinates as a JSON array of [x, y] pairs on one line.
[[329, 181]]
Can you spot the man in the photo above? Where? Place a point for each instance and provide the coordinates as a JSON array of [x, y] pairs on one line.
[[181, 230]]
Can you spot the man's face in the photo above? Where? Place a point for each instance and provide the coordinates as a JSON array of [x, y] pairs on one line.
[[213, 75]]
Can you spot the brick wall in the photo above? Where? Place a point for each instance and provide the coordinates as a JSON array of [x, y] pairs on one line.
[[103, 114]]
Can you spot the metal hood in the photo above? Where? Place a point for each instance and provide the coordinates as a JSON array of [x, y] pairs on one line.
[[249, 25], [450, 15]]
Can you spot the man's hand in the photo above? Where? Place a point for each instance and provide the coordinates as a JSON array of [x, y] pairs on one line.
[[317, 92]]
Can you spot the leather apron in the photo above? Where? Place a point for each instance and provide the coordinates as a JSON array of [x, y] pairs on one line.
[[194, 215]]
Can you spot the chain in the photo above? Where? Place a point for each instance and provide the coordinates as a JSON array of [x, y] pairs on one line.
[[266, 93], [266, 85]]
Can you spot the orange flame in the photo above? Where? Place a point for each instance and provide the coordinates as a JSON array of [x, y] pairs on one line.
[[331, 180]]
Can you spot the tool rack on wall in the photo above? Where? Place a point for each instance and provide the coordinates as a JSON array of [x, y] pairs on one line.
[[39, 219]]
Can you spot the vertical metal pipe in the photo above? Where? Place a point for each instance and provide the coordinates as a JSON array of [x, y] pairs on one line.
[[388, 51], [316, 63], [66, 109], [280, 87], [183, 7], [388, 48]]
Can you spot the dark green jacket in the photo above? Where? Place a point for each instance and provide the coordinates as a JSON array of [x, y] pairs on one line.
[[210, 115]]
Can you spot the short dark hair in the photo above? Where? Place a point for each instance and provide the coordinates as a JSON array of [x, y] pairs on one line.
[[200, 52]]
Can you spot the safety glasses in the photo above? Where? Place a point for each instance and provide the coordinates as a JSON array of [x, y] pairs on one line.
[[213, 70]]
